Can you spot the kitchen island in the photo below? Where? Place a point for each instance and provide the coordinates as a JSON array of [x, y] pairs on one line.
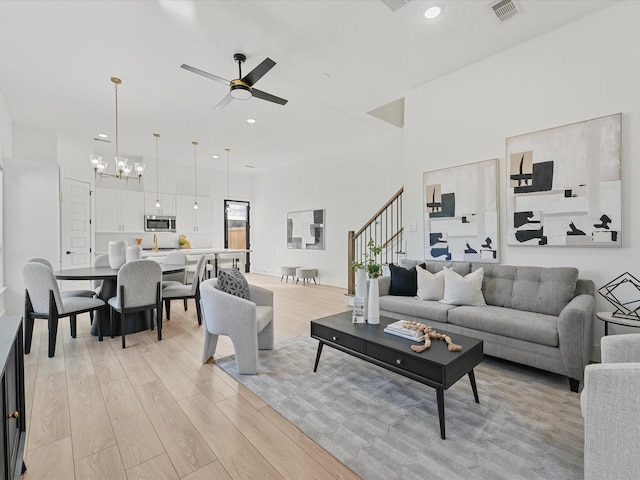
[[215, 256]]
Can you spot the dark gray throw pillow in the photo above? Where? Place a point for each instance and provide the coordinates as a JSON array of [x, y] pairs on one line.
[[233, 282], [404, 282]]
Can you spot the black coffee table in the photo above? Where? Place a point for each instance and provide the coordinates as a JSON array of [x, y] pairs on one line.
[[435, 367]]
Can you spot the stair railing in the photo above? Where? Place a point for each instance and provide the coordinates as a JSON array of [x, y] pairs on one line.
[[386, 230]]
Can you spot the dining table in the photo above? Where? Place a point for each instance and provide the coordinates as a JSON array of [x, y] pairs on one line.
[[109, 277]]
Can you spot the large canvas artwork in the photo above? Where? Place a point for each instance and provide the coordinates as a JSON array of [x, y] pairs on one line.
[[564, 186], [461, 212], [305, 230]]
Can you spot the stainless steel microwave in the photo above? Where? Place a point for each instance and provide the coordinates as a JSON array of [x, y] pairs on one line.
[[159, 223]]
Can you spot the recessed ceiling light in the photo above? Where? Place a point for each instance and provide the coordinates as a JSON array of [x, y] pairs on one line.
[[215, 156], [103, 135], [251, 120], [432, 12]]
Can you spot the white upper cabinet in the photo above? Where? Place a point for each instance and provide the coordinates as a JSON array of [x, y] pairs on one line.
[[190, 220], [119, 211], [167, 204]]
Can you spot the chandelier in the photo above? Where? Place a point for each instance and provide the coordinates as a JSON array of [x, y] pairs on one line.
[[122, 166]]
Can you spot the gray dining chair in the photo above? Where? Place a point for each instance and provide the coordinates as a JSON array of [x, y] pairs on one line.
[[175, 258], [64, 293], [175, 290], [138, 289], [43, 300], [99, 261]]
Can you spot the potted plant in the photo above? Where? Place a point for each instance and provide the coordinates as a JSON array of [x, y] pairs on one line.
[[373, 270]]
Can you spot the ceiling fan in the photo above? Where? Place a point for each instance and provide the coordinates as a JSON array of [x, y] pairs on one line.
[[242, 87]]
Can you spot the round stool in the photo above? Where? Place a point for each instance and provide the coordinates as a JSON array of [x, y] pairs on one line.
[[288, 272], [305, 274]]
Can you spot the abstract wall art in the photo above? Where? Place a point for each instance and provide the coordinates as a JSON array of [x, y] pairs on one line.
[[564, 186], [305, 230], [461, 212]]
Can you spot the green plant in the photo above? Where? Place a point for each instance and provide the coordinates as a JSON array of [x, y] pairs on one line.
[[370, 264]]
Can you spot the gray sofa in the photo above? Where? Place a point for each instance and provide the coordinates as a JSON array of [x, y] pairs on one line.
[[541, 317]]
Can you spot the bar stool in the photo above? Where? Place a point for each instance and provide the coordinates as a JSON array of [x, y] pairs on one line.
[[288, 272]]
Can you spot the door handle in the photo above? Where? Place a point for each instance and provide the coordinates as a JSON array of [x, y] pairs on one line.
[[69, 252]]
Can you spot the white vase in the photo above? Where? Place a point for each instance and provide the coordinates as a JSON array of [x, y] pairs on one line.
[[361, 288], [134, 252], [117, 253], [373, 313]]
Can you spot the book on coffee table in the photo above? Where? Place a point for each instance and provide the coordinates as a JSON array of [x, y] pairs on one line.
[[396, 328]]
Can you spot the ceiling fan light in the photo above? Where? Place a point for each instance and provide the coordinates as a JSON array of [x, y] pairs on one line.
[[240, 92]]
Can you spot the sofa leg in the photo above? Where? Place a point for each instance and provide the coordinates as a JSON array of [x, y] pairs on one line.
[[574, 384]]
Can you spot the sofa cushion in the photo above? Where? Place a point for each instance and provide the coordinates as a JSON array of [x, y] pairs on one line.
[[403, 281], [429, 310], [529, 326], [533, 289], [430, 285], [459, 290]]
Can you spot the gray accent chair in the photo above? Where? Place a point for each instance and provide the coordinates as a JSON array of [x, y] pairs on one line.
[[43, 300], [177, 290], [138, 290], [610, 403], [248, 323]]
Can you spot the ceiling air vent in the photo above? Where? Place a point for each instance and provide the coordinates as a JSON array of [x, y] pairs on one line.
[[395, 5], [504, 9]]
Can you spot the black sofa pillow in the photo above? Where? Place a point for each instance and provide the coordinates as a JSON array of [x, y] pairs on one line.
[[404, 282]]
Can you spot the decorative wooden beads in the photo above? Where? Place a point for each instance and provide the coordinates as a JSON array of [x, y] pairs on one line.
[[430, 334]]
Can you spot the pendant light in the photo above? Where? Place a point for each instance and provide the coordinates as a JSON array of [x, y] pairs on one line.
[[158, 205], [195, 175]]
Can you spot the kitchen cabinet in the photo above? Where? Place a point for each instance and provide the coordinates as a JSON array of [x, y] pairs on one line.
[[13, 406], [167, 204], [119, 211], [189, 220]]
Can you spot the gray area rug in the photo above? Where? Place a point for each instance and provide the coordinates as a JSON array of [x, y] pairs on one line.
[[383, 426]]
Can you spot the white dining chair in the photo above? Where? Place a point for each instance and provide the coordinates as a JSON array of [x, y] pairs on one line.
[[138, 290], [43, 300], [64, 293], [99, 261], [175, 290]]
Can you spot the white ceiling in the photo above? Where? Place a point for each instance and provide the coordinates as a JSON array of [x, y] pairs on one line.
[[336, 60]]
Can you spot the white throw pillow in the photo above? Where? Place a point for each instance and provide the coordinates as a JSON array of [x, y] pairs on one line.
[[430, 285], [459, 290]]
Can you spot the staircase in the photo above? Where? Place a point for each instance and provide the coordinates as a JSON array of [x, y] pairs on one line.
[[385, 228]]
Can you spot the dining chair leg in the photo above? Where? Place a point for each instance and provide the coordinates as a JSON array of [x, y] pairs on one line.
[[111, 314], [185, 305], [53, 324], [28, 322], [99, 329], [122, 326], [73, 324], [159, 310], [167, 308]]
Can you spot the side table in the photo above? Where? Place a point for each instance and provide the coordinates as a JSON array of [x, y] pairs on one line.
[[607, 318]]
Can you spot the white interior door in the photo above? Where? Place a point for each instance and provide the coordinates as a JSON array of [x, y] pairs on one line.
[[76, 224]]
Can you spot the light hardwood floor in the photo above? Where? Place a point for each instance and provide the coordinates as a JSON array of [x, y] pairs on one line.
[[154, 411]]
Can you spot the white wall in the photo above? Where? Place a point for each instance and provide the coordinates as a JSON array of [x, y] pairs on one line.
[[350, 185], [6, 148], [584, 70]]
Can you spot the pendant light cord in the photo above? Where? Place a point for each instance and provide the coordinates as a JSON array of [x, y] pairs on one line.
[[157, 135], [227, 150], [195, 173]]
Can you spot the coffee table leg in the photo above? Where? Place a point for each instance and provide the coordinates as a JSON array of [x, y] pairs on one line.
[[320, 344], [440, 400], [472, 379]]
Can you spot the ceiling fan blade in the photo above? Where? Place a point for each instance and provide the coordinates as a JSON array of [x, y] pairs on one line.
[[267, 96], [205, 74], [224, 102], [257, 73]]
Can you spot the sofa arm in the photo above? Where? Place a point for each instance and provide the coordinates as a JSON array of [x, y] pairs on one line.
[[384, 283], [575, 334], [261, 296], [620, 348], [611, 414]]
